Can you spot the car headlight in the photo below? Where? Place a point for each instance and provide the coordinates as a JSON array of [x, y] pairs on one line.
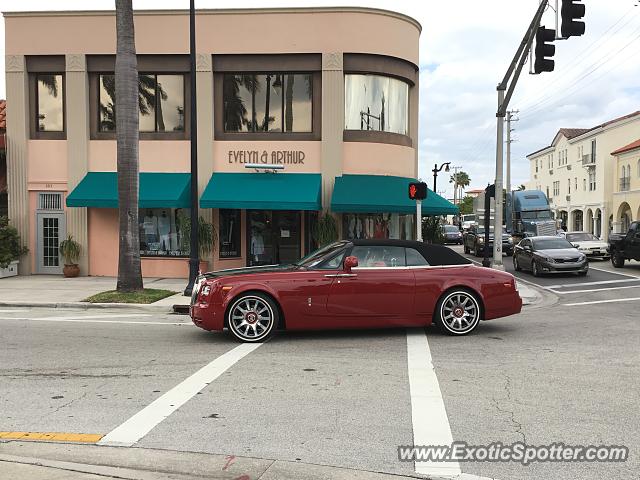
[[480, 239], [510, 240], [546, 259]]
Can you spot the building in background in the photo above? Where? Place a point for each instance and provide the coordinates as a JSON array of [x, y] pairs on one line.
[[578, 173], [337, 112], [626, 185]]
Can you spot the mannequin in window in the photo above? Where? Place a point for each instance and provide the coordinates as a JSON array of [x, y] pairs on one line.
[[164, 228], [257, 244], [150, 227]]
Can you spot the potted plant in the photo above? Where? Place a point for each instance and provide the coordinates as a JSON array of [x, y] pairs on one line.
[[206, 239], [326, 230], [70, 250], [11, 249]]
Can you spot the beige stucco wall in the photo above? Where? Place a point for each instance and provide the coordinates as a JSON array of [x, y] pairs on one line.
[[356, 30], [378, 159], [632, 196], [168, 156]]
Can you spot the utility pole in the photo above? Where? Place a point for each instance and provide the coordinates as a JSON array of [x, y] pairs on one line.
[[510, 118]]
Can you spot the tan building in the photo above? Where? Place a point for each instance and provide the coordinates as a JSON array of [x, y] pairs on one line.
[[327, 95], [577, 173], [626, 186]]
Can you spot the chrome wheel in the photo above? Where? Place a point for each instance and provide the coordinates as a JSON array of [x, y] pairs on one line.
[[251, 318], [459, 312]]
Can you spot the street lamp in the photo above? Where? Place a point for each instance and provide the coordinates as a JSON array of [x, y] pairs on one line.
[[436, 170]]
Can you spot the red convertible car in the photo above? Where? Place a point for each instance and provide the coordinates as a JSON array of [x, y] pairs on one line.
[[355, 284]]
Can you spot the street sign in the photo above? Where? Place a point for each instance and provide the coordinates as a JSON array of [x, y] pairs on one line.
[[417, 190]]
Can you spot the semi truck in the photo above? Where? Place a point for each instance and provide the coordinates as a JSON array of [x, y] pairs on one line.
[[528, 214]]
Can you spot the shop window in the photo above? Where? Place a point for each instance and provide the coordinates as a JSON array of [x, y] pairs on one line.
[[163, 233], [268, 102], [161, 100], [376, 102], [378, 225], [229, 227], [49, 96], [379, 256]]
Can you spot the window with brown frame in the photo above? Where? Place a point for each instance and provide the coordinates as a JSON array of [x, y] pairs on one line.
[[47, 106], [161, 101]]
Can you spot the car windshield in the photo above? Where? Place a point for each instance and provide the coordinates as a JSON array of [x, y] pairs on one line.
[[318, 256], [551, 244], [533, 215], [451, 229], [581, 237]]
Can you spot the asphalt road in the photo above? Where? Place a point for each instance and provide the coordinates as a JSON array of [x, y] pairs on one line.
[[561, 371]]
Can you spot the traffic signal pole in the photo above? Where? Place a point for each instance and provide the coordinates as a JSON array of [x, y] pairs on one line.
[[505, 92]]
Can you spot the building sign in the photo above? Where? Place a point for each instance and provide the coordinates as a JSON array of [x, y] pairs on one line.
[[267, 157]]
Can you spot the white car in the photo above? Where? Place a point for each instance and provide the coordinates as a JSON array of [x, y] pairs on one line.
[[589, 244]]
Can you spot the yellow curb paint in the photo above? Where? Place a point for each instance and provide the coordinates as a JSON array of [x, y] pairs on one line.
[[52, 436]]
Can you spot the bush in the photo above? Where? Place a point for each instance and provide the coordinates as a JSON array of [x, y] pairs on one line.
[[11, 247], [326, 230]]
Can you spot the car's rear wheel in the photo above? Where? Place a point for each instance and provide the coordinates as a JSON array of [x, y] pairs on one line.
[[617, 260], [458, 312], [516, 264], [253, 317]]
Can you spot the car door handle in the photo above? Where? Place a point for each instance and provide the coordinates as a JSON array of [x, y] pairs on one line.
[[341, 275]]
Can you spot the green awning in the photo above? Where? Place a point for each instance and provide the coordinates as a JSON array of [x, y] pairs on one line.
[[263, 191], [383, 194], [157, 190]]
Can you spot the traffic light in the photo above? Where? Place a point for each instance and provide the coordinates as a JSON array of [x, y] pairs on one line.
[[571, 12], [544, 51], [417, 190]]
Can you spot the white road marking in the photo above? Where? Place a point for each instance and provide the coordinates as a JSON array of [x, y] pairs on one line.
[[609, 289], [602, 301], [132, 430], [615, 273], [428, 413], [603, 282]]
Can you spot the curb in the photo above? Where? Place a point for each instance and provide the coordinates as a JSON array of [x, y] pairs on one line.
[[89, 306]]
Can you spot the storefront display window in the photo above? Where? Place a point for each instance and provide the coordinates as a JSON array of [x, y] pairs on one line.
[[229, 233], [267, 102], [377, 225], [375, 102], [160, 232]]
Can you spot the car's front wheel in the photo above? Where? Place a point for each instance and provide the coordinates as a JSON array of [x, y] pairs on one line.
[[617, 260], [535, 269], [458, 312], [252, 317]]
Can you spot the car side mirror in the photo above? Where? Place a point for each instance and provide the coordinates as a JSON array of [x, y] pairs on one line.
[[350, 262]]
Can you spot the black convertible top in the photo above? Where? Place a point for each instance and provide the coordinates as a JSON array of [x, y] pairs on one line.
[[434, 254]]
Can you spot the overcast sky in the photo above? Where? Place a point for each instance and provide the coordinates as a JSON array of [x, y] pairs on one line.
[[465, 49]]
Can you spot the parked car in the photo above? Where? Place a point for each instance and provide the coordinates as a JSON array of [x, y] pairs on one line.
[[549, 255], [452, 234], [474, 241], [355, 284], [588, 244], [625, 246]]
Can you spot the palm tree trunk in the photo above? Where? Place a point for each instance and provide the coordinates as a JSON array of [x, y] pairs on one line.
[[126, 80]]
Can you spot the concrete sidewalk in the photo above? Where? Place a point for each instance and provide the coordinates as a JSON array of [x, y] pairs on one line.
[[54, 291], [56, 461]]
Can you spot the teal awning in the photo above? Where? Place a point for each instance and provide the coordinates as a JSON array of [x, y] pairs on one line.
[[263, 191], [382, 194], [157, 190]]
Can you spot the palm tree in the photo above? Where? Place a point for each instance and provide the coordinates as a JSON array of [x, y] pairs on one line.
[[460, 180], [127, 124]]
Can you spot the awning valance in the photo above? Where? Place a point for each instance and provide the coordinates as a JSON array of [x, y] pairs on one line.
[[157, 190], [263, 191], [383, 194]]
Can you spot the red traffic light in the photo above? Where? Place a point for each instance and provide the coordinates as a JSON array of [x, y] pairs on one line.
[[417, 190]]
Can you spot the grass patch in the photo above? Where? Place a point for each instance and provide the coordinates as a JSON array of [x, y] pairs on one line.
[[148, 295]]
